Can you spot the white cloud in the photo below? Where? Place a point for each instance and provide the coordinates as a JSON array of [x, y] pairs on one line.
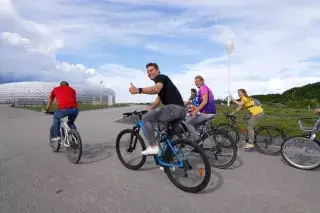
[[272, 49]]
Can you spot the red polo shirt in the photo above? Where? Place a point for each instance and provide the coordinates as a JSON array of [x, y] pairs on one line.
[[65, 97]]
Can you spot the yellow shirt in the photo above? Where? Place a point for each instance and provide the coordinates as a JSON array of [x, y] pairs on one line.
[[249, 104]]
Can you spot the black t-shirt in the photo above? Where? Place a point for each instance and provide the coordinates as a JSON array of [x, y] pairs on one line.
[[169, 94]]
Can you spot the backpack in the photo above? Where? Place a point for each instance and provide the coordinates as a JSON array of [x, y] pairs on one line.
[[256, 102]]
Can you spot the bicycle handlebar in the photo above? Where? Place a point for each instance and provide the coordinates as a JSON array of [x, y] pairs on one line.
[[139, 113], [308, 129], [48, 112], [228, 116]]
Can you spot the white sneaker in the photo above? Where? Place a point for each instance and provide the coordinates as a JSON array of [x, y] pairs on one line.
[[56, 139], [151, 150]]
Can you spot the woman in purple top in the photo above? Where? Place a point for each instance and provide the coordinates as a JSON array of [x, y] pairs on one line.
[[205, 111]]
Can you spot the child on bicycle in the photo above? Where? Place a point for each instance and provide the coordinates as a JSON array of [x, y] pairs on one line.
[[193, 101]]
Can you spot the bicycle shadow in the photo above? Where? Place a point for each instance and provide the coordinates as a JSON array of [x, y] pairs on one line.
[[150, 164], [147, 166], [215, 183], [92, 153], [236, 164], [287, 164]]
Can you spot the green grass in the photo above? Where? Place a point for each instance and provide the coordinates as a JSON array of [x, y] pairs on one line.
[[82, 107], [283, 118]]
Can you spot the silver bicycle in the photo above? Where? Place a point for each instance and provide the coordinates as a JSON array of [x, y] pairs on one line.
[[293, 148], [70, 139]]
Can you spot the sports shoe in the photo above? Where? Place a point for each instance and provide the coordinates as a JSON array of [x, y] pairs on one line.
[[151, 150], [248, 146]]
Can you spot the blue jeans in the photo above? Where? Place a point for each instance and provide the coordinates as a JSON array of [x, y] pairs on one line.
[[61, 113]]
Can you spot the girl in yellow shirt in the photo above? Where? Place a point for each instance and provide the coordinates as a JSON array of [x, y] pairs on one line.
[[252, 118]]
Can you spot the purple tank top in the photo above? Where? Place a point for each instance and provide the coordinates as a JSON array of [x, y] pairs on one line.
[[211, 106]]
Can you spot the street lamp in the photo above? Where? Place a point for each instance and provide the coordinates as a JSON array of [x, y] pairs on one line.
[[229, 47], [101, 91]]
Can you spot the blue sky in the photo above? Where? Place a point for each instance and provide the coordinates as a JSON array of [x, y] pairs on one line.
[[112, 40]]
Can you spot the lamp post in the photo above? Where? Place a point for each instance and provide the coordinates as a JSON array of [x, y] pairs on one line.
[[101, 82], [229, 48]]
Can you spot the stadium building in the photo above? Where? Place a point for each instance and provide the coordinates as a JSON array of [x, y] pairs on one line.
[[37, 93]]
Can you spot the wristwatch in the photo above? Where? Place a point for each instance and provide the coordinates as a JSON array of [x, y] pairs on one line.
[[140, 90]]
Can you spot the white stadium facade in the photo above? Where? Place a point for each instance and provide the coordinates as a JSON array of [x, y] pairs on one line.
[[37, 93]]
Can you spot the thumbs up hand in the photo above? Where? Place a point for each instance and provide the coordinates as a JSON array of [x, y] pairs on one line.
[[133, 89]]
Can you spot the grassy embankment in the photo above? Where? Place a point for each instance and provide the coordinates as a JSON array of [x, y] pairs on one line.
[[82, 107], [281, 117]]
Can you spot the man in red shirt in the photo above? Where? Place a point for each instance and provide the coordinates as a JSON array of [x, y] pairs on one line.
[[66, 99]]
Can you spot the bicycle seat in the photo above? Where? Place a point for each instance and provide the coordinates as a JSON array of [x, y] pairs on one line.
[[135, 113], [210, 117], [127, 113]]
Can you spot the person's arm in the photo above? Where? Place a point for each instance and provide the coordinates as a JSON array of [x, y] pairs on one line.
[[239, 103], [153, 89], [187, 102], [51, 99], [238, 108], [159, 82], [155, 103]]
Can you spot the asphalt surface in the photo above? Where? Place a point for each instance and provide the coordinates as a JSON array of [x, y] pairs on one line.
[[34, 179]]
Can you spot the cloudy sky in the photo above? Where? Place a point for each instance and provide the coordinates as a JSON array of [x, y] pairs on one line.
[[277, 43]]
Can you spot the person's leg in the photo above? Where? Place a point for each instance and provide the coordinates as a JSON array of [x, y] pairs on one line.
[[72, 115], [165, 114], [56, 123], [252, 122], [191, 122]]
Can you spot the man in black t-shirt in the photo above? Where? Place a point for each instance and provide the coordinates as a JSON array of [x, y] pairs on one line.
[[170, 97]]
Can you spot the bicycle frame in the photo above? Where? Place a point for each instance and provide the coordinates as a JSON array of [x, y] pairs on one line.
[[201, 128], [64, 129], [167, 142]]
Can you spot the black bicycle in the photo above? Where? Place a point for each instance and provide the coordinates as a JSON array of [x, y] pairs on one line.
[[307, 146], [264, 141], [171, 156], [222, 151], [70, 139]]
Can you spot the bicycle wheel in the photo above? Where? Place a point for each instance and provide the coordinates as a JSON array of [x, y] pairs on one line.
[[134, 137], [266, 143], [232, 130], [170, 171], [221, 147], [305, 143], [55, 145], [74, 151]]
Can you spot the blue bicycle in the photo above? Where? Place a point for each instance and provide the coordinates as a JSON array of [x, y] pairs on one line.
[[171, 156]]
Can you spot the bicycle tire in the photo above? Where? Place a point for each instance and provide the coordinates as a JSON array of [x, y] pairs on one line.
[[282, 134], [286, 158], [230, 128], [206, 179], [57, 148], [233, 146], [143, 145], [76, 134]]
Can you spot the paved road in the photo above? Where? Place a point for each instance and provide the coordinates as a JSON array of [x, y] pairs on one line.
[[34, 179]]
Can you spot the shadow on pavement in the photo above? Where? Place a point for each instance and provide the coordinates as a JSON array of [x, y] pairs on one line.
[[215, 183], [236, 164], [92, 153], [285, 163], [150, 165]]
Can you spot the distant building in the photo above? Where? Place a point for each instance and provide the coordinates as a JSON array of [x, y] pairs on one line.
[[37, 93]]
